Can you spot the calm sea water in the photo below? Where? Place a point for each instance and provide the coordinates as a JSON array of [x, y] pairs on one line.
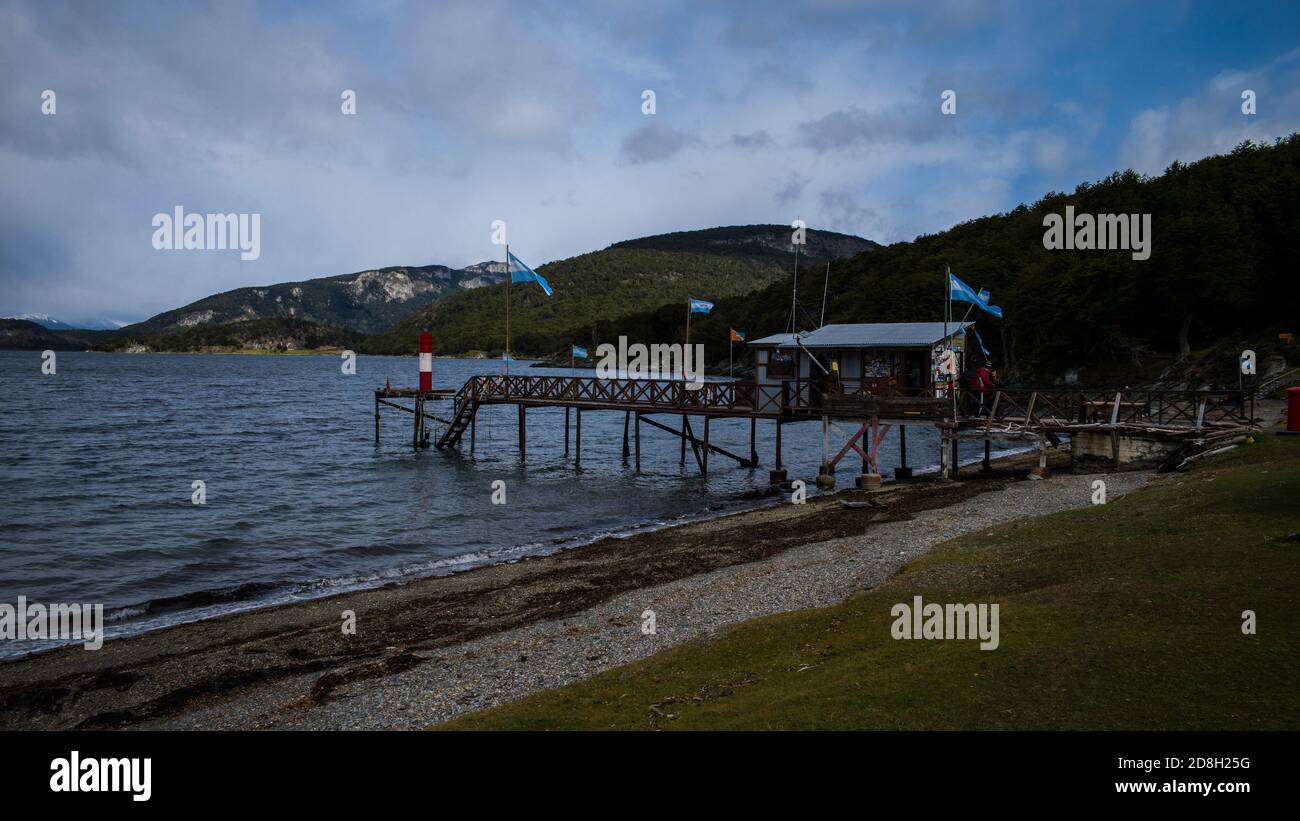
[[97, 464]]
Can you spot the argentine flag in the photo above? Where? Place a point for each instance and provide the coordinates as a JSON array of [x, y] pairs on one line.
[[520, 272], [983, 297], [701, 306], [959, 291], [579, 353]]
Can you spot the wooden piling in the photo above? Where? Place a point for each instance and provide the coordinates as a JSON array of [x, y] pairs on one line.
[[416, 422], [826, 435], [704, 467], [627, 418], [523, 431], [577, 438], [566, 431], [753, 441], [683, 457], [778, 465], [638, 442], [956, 454]]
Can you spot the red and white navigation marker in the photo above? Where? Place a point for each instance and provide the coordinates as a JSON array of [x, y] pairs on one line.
[[426, 361]]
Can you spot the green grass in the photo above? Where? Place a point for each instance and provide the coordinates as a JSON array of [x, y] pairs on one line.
[[1120, 616]]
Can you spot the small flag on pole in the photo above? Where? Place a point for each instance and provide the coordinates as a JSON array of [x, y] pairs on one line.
[[983, 296], [519, 272], [579, 352], [959, 291], [737, 336], [701, 306], [507, 358]]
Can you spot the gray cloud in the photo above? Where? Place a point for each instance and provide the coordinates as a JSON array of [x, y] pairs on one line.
[[654, 142], [853, 127], [757, 139]]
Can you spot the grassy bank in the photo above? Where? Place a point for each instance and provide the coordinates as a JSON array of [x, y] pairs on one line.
[[1120, 616]]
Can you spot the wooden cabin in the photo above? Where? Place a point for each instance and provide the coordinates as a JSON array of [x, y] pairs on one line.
[[885, 360]]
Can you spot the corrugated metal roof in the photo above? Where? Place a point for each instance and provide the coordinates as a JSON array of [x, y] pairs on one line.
[[872, 335], [774, 339]]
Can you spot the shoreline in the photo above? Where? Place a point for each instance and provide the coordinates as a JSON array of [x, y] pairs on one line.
[[144, 621], [296, 654]]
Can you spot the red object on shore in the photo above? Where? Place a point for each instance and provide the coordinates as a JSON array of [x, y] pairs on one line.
[[426, 361], [1293, 410]]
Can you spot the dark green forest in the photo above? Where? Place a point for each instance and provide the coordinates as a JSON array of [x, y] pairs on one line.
[[1225, 250]]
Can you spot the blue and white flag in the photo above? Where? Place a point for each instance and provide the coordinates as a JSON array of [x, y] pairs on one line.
[[983, 296], [520, 272], [701, 306], [980, 340], [579, 353], [959, 291]]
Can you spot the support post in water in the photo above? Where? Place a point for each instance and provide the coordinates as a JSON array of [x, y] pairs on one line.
[[523, 431], [638, 441], [776, 476], [577, 438], [753, 441], [704, 466], [826, 473], [627, 417], [902, 471]]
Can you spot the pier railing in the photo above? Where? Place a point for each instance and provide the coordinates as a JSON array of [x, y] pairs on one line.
[[1021, 407], [634, 394], [1167, 408]]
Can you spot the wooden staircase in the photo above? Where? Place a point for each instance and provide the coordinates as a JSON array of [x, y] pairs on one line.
[[463, 413]]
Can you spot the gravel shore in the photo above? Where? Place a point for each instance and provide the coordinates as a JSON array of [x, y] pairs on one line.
[[505, 666]]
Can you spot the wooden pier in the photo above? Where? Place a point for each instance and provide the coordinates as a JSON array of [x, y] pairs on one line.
[[1038, 416]]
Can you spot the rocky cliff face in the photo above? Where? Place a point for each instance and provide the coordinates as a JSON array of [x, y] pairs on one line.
[[366, 301]]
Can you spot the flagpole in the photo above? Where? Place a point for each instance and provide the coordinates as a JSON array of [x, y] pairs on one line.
[[825, 286], [688, 320], [508, 279], [947, 293]]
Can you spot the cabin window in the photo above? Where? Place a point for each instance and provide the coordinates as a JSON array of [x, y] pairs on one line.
[[780, 365]]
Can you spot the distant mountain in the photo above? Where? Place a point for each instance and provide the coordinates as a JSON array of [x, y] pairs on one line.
[[621, 280], [26, 335], [365, 302], [47, 321], [272, 334]]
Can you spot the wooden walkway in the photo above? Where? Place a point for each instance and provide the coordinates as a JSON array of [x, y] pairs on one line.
[[1009, 414]]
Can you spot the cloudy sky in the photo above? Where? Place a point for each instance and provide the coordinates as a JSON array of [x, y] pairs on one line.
[[470, 112]]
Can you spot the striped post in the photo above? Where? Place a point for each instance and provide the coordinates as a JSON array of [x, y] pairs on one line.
[[426, 361]]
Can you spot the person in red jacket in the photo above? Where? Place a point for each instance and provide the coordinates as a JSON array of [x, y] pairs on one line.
[[981, 382]]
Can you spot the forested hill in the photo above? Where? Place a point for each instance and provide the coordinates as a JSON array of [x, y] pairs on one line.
[[610, 284], [1223, 273]]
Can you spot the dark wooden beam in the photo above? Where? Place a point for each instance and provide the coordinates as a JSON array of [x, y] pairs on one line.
[[698, 443]]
